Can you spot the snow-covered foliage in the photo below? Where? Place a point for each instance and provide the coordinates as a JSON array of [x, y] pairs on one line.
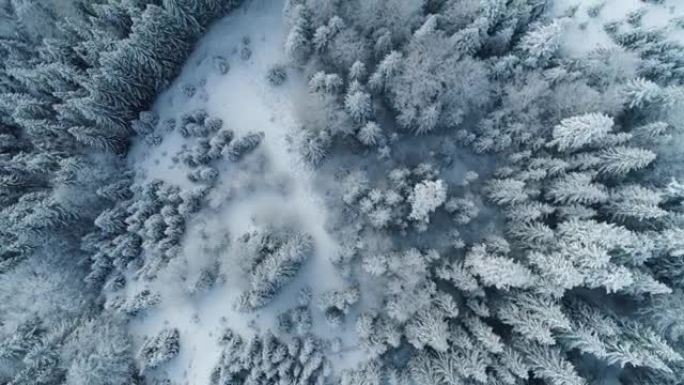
[[353, 192], [159, 349], [267, 359]]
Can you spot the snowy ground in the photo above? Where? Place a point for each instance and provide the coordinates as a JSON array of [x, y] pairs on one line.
[[584, 31], [272, 186]]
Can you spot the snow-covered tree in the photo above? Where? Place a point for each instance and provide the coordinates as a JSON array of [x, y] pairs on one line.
[[498, 271], [619, 161], [543, 42], [426, 197], [386, 70], [576, 188], [548, 363], [636, 202], [298, 44], [101, 351], [358, 103], [579, 131], [506, 191], [159, 349], [370, 134], [428, 328], [272, 261]]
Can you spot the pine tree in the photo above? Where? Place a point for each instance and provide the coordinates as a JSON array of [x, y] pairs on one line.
[[428, 118], [498, 271], [577, 132], [428, 328], [275, 270], [426, 197], [358, 103], [533, 316], [484, 334], [636, 202], [548, 363], [576, 188], [370, 134], [159, 349], [386, 70], [506, 191], [543, 42], [641, 93], [619, 161], [357, 71], [298, 44]]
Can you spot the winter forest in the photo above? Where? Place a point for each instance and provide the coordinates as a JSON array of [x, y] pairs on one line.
[[341, 192]]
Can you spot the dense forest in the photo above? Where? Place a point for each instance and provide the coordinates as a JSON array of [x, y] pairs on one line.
[[353, 192]]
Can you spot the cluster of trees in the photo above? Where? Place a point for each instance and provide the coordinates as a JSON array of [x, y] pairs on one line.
[[143, 232], [267, 359], [74, 76], [413, 307], [410, 197], [213, 142], [577, 275], [91, 348], [271, 259], [159, 349], [144, 229]]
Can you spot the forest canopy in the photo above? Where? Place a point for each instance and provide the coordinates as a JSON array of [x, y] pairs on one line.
[[433, 192]]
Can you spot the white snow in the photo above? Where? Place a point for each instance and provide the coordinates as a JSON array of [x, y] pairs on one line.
[[583, 33], [272, 185]]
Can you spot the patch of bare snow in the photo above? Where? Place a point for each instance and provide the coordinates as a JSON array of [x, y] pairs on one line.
[[584, 33], [273, 184]]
